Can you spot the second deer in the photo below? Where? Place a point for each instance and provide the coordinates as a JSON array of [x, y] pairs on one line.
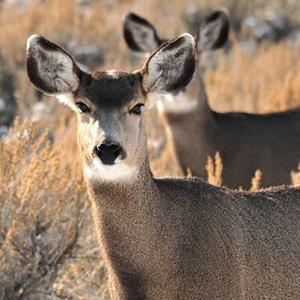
[[246, 142]]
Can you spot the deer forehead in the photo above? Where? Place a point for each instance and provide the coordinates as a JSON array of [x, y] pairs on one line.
[[111, 89]]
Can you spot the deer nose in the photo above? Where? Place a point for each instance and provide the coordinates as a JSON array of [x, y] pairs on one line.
[[108, 152]]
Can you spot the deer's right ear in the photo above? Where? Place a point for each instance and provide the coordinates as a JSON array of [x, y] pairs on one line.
[[140, 35], [50, 69], [171, 67]]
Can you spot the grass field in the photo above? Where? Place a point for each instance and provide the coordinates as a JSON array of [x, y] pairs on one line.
[[48, 248]]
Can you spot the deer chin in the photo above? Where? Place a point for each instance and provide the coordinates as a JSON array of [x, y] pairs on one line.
[[178, 103], [118, 172]]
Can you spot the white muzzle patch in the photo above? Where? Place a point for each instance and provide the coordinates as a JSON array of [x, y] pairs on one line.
[[118, 172]]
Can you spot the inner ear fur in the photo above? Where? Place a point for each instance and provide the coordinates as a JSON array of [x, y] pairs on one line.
[[171, 67], [50, 68], [140, 35], [213, 32]]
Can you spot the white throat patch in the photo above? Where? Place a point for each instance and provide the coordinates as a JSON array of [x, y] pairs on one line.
[[179, 103], [118, 172]]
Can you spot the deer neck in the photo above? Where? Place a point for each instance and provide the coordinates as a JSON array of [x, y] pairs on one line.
[[180, 125], [184, 126], [184, 109], [119, 211], [203, 108]]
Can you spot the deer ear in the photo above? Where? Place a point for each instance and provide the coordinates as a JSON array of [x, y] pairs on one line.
[[171, 67], [51, 69], [213, 33], [140, 35]]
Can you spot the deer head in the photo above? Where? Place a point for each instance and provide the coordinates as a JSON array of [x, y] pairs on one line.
[[110, 104], [142, 39]]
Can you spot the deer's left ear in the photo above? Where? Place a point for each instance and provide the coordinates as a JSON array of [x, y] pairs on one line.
[[213, 32], [171, 67], [51, 69], [140, 35]]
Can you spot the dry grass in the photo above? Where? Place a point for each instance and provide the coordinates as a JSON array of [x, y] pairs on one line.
[[296, 176], [42, 206], [256, 181], [268, 81], [47, 245], [214, 170]]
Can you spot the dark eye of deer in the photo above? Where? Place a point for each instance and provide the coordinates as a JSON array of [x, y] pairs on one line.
[[137, 110], [82, 107]]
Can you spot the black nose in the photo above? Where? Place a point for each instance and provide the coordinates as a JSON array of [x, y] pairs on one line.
[[108, 152]]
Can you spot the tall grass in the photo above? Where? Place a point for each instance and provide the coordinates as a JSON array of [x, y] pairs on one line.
[[267, 81], [47, 244]]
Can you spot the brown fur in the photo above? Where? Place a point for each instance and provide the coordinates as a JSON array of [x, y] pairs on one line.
[[110, 91], [185, 239]]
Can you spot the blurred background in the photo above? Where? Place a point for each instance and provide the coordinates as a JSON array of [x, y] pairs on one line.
[[48, 248]]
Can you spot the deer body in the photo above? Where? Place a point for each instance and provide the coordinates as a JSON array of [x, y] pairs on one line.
[[246, 142], [167, 238], [185, 239]]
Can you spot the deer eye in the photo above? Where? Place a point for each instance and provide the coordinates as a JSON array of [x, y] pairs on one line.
[[136, 110], [83, 108]]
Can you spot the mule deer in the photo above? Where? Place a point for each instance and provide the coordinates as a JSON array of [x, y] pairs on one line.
[[167, 238], [246, 142]]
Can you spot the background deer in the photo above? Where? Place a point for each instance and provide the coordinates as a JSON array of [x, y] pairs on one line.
[[246, 142], [167, 238]]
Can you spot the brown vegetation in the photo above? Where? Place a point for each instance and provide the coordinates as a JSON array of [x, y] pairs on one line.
[[47, 245]]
